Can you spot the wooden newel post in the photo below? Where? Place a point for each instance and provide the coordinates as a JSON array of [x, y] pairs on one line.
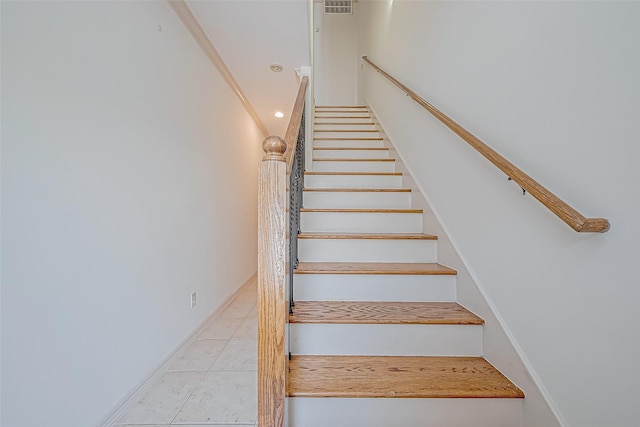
[[272, 307]]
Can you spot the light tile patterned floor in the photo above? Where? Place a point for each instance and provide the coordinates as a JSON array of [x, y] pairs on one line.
[[213, 381]]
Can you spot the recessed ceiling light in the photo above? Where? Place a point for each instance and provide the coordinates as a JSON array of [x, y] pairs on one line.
[[276, 67], [279, 114]]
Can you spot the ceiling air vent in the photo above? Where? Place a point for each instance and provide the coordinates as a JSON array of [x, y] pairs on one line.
[[338, 7]]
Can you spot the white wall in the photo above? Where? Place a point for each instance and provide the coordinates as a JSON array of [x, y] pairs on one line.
[[250, 35], [335, 57], [554, 87], [128, 182]]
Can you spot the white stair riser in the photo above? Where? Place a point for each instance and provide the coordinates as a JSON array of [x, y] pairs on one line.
[[357, 166], [360, 222], [350, 154], [347, 143], [346, 114], [344, 125], [339, 134], [357, 199], [388, 412], [353, 181], [319, 120], [338, 111], [367, 250], [386, 340], [319, 108], [374, 287]]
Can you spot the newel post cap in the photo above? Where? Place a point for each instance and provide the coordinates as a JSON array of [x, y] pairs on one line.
[[274, 147]]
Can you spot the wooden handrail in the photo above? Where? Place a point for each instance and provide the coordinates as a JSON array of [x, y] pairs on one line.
[[186, 16], [569, 215], [291, 136]]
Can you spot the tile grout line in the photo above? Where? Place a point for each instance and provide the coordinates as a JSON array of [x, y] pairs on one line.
[[171, 423], [125, 404]]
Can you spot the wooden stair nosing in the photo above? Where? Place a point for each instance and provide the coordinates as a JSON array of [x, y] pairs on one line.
[[368, 236], [345, 123], [365, 116], [341, 106], [354, 173], [361, 210], [351, 148], [319, 113], [385, 268], [349, 139], [353, 160], [397, 377], [346, 130], [359, 190], [383, 312]]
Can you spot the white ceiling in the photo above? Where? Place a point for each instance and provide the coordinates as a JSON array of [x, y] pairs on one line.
[[250, 35]]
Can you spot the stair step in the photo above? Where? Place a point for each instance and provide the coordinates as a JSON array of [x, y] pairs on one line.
[[384, 329], [341, 124], [397, 376], [374, 236], [323, 131], [381, 198], [375, 287], [341, 110], [347, 133], [402, 211], [345, 117], [354, 165], [392, 268], [376, 312], [342, 119], [367, 247], [340, 106], [342, 114], [348, 143], [350, 153], [354, 160], [348, 138], [386, 412], [361, 220], [353, 180], [383, 339], [358, 190]]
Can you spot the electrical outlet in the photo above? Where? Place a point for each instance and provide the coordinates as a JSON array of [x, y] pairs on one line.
[[193, 299]]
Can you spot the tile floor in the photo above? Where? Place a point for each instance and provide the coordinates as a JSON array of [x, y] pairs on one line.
[[213, 381]]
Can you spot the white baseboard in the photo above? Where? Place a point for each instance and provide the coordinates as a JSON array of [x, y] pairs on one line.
[[129, 399]]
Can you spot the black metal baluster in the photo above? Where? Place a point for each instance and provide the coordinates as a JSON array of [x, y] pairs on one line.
[[296, 186]]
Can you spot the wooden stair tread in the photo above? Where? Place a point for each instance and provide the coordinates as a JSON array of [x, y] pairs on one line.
[[365, 116], [380, 236], [355, 173], [361, 190], [351, 148], [345, 130], [341, 106], [402, 211], [373, 268], [372, 138], [397, 376], [344, 123], [383, 312], [354, 160]]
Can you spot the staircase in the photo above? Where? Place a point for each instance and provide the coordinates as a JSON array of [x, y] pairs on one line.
[[377, 338]]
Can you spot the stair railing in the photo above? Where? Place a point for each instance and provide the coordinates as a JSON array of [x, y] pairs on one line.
[[569, 215], [284, 160]]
